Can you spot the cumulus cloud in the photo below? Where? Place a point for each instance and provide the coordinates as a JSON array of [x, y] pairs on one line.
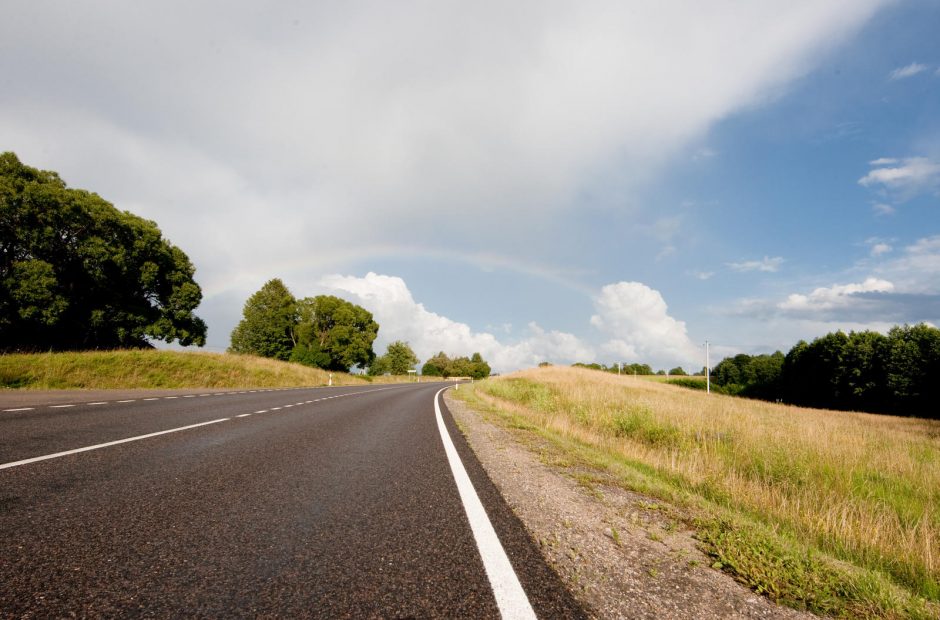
[[908, 71], [402, 318], [636, 320], [632, 322], [878, 246], [903, 287], [767, 264]]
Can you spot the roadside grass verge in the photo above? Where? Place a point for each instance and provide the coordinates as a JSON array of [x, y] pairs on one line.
[[135, 369], [834, 512]]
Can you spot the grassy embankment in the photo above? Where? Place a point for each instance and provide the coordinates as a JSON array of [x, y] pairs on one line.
[[834, 512], [157, 369]]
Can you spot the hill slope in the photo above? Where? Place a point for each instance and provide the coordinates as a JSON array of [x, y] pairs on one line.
[[156, 369]]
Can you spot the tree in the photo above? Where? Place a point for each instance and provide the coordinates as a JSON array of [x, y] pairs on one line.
[[77, 273], [913, 365], [678, 372], [398, 360], [337, 329], [267, 326], [437, 366], [479, 369]]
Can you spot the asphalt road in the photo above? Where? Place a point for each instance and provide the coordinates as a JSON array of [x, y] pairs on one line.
[[326, 502]]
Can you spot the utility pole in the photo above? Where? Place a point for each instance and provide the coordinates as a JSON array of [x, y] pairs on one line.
[[708, 372]]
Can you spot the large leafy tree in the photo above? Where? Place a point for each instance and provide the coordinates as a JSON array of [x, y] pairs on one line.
[[399, 358], [338, 333], [268, 323], [77, 273]]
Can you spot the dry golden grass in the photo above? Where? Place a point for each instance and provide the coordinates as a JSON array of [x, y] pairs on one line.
[[156, 369], [862, 488]]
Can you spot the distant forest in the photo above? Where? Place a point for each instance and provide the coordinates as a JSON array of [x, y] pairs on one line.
[[859, 371], [898, 373]]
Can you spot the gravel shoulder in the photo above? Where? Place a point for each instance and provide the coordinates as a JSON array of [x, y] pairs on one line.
[[623, 555]]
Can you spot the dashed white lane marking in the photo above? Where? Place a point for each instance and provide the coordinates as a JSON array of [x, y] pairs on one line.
[[170, 397], [60, 406], [190, 396], [510, 597], [275, 409], [100, 402], [128, 401], [151, 399], [108, 444], [243, 415], [261, 411]]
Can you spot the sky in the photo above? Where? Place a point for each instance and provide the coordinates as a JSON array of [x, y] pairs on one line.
[[535, 181]]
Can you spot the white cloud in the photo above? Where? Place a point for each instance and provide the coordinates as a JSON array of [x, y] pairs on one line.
[[909, 71], [635, 318], [400, 317], [323, 116], [905, 178], [916, 270], [767, 264], [878, 246], [632, 320], [833, 297], [883, 161]]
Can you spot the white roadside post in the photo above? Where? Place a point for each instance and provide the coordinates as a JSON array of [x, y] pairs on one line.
[[708, 372], [330, 384]]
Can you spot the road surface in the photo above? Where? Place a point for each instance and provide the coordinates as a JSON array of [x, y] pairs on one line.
[[322, 502]]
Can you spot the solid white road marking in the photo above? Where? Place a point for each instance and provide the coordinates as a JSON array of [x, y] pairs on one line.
[[108, 444], [510, 597]]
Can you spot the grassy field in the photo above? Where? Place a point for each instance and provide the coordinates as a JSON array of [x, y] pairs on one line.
[[834, 512], [157, 369]]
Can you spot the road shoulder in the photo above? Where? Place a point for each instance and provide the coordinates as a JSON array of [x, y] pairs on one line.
[[620, 553]]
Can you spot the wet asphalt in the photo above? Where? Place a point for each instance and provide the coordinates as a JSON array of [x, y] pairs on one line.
[[324, 503]]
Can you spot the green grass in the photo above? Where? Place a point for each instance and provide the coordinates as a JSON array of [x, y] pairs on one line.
[[136, 369], [825, 511]]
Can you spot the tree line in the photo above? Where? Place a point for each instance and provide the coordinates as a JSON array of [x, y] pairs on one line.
[[77, 273], [633, 368], [897, 373], [441, 365]]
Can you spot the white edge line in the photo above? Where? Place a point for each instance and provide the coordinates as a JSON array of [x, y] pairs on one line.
[[510, 597], [107, 445]]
